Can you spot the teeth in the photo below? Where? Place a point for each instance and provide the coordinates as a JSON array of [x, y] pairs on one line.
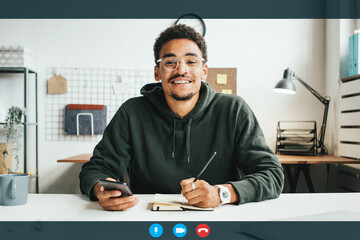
[[181, 81]]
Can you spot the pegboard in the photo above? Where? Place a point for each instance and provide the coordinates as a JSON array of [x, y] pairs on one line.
[[110, 87]]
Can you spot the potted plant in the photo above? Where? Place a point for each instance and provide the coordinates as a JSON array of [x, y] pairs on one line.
[[13, 134]]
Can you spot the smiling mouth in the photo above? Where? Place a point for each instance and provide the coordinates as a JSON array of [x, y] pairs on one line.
[[176, 82]]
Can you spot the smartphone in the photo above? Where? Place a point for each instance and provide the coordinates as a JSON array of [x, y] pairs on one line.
[[110, 185]]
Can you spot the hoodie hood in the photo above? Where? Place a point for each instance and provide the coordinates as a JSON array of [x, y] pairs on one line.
[[155, 94]]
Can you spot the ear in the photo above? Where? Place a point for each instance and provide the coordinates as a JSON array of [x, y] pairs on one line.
[[204, 72], [157, 73]]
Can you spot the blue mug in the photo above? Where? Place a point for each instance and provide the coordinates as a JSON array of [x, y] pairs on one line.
[[14, 189]]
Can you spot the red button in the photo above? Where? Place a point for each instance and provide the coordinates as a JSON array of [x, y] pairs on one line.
[[202, 230]]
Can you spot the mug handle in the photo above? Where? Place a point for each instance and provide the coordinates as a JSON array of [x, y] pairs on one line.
[[13, 188]]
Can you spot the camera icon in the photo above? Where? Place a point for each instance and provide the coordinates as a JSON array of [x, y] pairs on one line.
[[179, 230]]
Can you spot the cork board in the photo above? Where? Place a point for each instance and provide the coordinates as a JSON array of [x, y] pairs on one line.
[[222, 80]]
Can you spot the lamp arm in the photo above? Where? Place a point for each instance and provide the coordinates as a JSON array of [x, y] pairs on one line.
[[326, 102], [315, 93], [321, 144]]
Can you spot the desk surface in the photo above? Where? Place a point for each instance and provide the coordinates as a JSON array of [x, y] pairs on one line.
[[284, 159], [319, 159], [81, 158], [76, 207]]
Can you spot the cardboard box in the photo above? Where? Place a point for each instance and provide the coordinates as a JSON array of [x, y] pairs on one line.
[[8, 160], [16, 56]]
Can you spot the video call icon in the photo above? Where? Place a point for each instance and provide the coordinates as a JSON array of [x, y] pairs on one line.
[[180, 230]]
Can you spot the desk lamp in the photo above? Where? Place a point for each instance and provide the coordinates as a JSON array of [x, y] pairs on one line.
[[287, 86]]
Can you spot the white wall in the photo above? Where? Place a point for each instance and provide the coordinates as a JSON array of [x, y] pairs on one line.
[[259, 49], [332, 75]]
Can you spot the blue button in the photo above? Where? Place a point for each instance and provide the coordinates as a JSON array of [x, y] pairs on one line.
[[156, 230], [180, 230]]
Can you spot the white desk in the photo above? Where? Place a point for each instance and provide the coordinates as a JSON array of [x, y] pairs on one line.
[[72, 207]]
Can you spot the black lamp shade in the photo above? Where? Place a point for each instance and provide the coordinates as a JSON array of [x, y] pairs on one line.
[[285, 85]]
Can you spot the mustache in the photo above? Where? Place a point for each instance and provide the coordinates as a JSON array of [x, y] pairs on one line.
[[178, 75]]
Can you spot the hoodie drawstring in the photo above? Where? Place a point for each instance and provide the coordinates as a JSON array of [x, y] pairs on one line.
[[174, 129], [188, 130]]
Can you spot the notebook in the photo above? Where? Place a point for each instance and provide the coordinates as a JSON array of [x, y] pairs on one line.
[[173, 202]]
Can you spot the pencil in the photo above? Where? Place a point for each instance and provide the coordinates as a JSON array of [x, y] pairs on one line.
[[206, 165]]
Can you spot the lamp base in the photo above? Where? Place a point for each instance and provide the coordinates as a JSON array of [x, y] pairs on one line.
[[322, 150]]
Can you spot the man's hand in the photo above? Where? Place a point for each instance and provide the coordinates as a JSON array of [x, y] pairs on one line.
[[110, 200], [204, 195]]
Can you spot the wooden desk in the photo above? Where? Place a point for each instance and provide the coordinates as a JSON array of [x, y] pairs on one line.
[[319, 159], [82, 158], [284, 159], [303, 164]]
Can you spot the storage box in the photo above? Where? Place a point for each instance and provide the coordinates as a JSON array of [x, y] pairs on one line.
[[16, 56], [85, 119]]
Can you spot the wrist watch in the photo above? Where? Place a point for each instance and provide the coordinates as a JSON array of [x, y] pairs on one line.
[[225, 195]]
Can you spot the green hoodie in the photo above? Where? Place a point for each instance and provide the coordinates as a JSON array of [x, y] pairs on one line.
[[159, 149]]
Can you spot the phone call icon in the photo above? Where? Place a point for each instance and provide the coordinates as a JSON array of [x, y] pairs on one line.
[[203, 230]]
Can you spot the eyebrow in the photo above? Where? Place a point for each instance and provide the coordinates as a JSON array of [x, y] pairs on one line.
[[173, 55]]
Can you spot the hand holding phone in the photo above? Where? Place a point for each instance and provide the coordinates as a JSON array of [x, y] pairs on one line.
[[121, 186]]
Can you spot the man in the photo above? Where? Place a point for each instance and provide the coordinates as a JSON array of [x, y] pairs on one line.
[[166, 137]]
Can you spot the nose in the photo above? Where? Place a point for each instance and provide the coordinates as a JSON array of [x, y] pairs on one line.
[[182, 67]]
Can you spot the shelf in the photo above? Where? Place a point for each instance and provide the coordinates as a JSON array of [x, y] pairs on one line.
[[16, 70], [25, 72], [305, 139], [308, 150], [352, 78], [295, 143], [31, 124], [296, 131]]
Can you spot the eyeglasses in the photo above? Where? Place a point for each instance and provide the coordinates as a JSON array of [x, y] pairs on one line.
[[171, 63]]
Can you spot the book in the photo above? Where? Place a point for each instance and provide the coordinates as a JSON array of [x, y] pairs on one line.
[[174, 202], [355, 70], [351, 55]]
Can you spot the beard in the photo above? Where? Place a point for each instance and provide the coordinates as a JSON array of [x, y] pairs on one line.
[[185, 98], [177, 97]]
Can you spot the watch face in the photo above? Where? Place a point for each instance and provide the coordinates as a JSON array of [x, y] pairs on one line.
[[225, 195], [193, 21]]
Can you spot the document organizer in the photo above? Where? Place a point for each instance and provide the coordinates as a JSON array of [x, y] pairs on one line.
[[85, 119], [296, 138]]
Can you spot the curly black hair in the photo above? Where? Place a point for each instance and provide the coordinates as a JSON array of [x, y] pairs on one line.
[[177, 32]]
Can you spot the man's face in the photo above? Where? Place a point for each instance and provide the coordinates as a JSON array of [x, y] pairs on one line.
[[183, 83]]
